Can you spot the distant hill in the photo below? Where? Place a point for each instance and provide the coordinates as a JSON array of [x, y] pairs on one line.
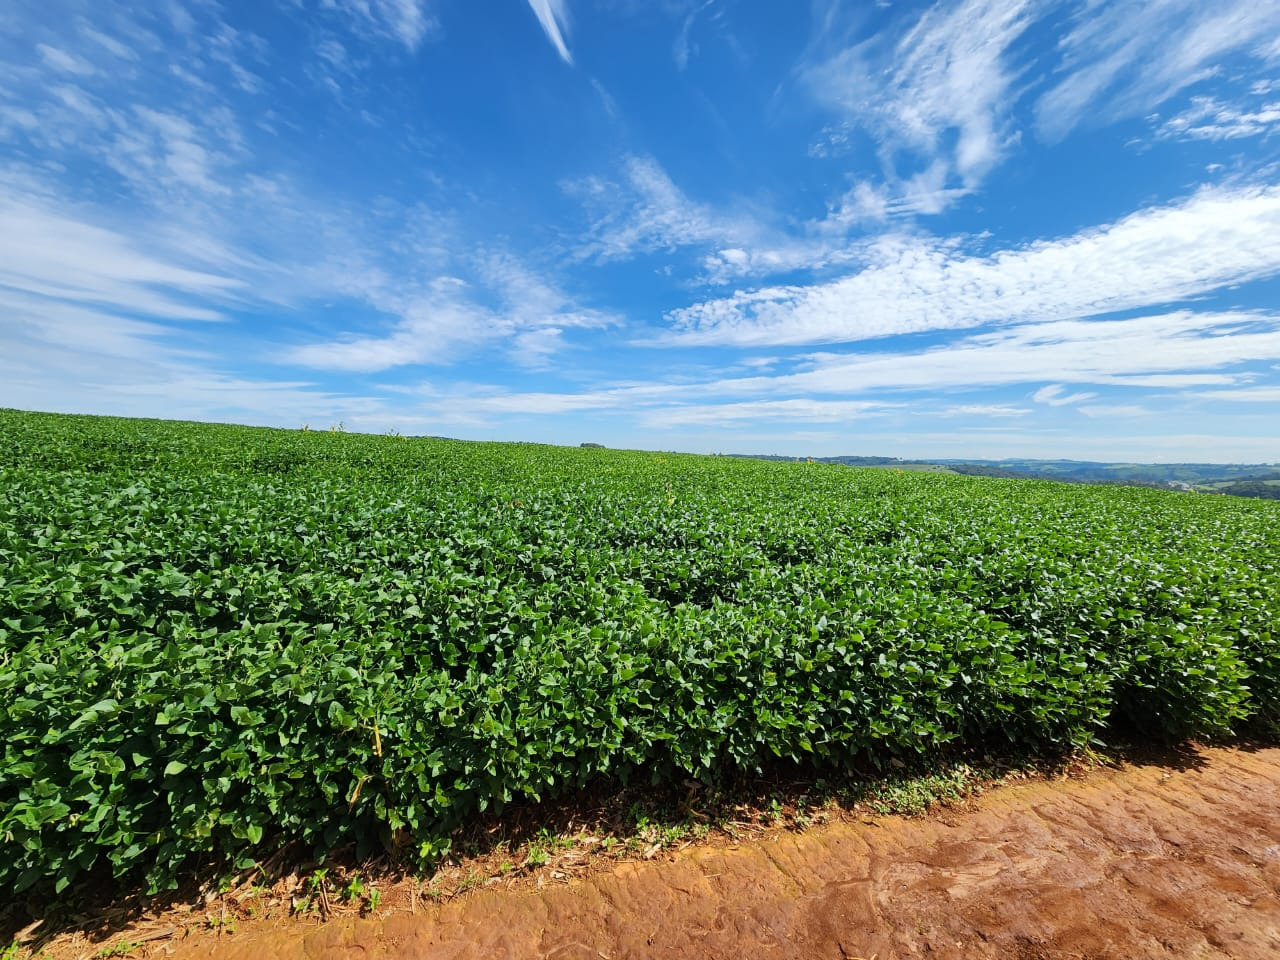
[[1232, 479], [1145, 474]]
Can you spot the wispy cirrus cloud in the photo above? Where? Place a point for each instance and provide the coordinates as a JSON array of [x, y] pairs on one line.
[[999, 410], [124, 324], [646, 212], [161, 151], [50, 253], [935, 97], [445, 317], [161, 132], [791, 410], [684, 46], [868, 204], [406, 21], [643, 211], [225, 235], [95, 307], [657, 405], [1123, 58], [553, 16], [1055, 395], [1115, 411], [188, 207], [1171, 350], [1208, 118], [1162, 352], [1266, 394], [138, 376], [64, 62], [1161, 255]]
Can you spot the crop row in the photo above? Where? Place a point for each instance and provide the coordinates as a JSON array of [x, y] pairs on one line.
[[214, 640]]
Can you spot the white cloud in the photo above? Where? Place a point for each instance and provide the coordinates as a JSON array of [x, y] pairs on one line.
[[163, 125], [145, 383], [157, 150], [553, 15], [95, 340], [986, 410], [1161, 352], [1174, 349], [1217, 237], [202, 230], [14, 120], [658, 405], [801, 410], [447, 317], [107, 316], [940, 93], [64, 62], [1175, 381], [334, 54], [1053, 395], [1114, 411], [925, 193], [1244, 395], [434, 326], [863, 202], [486, 401], [50, 253], [534, 349], [684, 46], [647, 212], [96, 323], [1210, 119], [109, 43], [1123, 58], [1165, 351], [404, 20], [247, 238], [537, 403]]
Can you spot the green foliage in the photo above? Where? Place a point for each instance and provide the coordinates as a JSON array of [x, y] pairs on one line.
[[216, 640]]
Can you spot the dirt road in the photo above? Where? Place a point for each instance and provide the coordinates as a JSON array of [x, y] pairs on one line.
[[1146, 861]]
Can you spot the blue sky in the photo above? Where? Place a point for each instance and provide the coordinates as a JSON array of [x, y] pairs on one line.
[[965, 229]]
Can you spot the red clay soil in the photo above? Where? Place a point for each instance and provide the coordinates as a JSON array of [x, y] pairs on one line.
[[1145, 861]]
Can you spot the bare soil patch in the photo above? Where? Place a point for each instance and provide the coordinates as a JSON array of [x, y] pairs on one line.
[[1142, 860]]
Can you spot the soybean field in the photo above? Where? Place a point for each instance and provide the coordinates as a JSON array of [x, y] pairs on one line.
[[216, 640]]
